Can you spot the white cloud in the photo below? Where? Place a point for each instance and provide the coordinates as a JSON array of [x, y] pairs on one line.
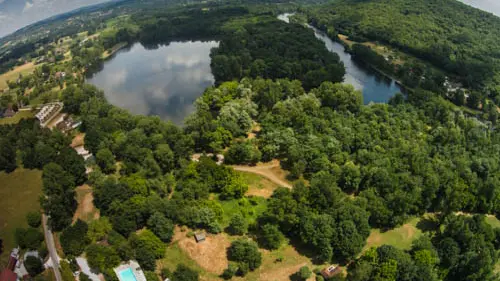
[[28, 5]]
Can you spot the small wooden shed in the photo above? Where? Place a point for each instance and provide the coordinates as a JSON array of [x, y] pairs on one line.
[[200, 237]]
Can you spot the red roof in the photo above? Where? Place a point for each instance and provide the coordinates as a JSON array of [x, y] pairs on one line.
[[8, 275], [12, 263]]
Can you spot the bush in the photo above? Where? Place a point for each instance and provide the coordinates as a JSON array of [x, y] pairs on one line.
[[34, 219], [271, 237], [42, 251], [184, 273], [243, 269], [166, 273], [238, 225], [151, 276], [84, 277], [74, 238], [304, 272], [229, 272], [29, 238], [33, 265], [246, 252]]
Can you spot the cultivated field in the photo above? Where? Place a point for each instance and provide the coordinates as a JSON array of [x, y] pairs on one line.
[[19, 194], [14, 74]]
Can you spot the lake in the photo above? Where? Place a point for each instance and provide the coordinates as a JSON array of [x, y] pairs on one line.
[[375, 87], [163, 81]]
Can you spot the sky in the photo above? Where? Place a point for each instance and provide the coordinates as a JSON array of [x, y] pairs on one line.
[[15, 14], [492, 6]]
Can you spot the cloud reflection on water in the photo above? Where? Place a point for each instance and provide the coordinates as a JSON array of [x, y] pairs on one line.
[[163, 81]]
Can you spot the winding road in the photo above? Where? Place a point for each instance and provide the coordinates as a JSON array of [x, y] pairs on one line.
[[49, 240]]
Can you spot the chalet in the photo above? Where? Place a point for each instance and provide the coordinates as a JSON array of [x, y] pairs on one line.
[[200, 237], [330, 271]]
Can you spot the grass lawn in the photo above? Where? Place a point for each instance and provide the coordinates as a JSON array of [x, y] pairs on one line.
[[272, 269], [258, 185], [175, 255], [16, 118], [14, 74], [250, 208], [19, 194], [401, 237], [493, 221]]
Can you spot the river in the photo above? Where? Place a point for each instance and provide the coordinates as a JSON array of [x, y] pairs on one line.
[[164, 81], [375, 87]]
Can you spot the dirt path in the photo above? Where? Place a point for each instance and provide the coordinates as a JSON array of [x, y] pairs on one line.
[[86, 210], [272, 171]]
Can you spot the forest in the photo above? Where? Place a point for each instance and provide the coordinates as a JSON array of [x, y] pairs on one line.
[[354, 167], [451, 35], [274, 49]]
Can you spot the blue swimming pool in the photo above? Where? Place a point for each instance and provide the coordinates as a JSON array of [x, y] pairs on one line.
[[127, 275]]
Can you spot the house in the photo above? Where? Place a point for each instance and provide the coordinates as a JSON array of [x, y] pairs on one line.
[[8, 275], [60, 75], [200, 237], [48, 112], [330, 271]]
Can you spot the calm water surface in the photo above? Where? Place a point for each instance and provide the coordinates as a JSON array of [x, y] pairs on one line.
[[375, 87], [163, 81]]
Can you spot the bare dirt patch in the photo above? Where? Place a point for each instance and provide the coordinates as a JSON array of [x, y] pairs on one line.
[[86, 210], [78, 140], [209, 254]]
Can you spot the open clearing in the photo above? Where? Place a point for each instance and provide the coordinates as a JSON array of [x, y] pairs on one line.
[[270, 170], [25, 114], [209, 254], [258, 185], [86, 211], [273, 270], [14, 74], [209, 258], [400, 237], [19, 194]]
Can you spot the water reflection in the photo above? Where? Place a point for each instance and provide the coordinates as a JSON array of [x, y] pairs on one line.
[[375, 87], [163, 81]]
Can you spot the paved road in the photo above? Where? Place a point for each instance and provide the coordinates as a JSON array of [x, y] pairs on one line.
[[49, 240]]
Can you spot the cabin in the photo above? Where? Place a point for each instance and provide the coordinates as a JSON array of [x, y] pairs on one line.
[[330, 271], [200, 237]]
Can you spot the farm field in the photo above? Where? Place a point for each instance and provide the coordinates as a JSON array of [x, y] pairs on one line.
[[19, 194], [14, 74]]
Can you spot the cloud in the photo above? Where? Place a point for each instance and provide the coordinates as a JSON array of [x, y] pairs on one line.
[[28, 5]]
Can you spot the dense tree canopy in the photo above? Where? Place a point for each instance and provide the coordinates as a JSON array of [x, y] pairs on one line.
[[274, 49]]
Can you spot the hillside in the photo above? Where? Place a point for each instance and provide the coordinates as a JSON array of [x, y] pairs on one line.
[[451, 35]]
